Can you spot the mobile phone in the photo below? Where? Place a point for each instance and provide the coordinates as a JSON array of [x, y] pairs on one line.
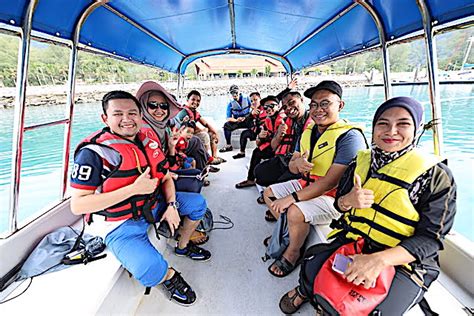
[[341, 263]]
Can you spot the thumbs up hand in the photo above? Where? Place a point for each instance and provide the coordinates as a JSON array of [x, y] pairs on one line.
[[144, 184], [301, 163], [360, 197]]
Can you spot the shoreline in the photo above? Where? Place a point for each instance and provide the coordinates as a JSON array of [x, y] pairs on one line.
[[85, 93]]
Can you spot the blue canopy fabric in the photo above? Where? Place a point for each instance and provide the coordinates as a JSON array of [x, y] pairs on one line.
[[170, 34]]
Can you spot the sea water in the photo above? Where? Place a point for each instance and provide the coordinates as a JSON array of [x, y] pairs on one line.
[[42, 150]]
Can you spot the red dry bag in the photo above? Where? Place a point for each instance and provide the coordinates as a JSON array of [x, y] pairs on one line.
[[336, 296]]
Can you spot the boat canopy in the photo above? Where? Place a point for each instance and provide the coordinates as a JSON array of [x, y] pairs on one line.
[[172, 34]]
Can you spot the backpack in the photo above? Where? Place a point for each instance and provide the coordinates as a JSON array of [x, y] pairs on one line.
[[280, 239], [207, 222]]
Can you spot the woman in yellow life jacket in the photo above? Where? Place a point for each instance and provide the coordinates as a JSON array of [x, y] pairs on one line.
[[401, 201]]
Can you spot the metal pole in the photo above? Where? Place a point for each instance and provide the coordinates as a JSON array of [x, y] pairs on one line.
[[432, 63], [232, 22], [71, 91], [19, 115], [178, 89], [383, 43]]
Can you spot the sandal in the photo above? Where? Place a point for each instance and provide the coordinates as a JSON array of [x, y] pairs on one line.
[[284, 266], [269, 217], [287, 302], [244, 184], [260, 199], [226, 148], [222, 160], [206, 182]]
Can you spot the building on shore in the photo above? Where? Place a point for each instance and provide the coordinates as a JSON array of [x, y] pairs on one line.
[[233, 67]]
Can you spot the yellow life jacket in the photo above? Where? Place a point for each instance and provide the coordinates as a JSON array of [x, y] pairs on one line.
[[325, 149], [392, 218]]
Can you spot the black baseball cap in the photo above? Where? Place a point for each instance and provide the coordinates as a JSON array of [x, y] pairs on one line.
[[269, 98], [329, 85]]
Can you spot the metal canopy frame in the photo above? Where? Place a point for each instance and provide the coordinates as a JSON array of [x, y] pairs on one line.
[[19, 115], [383, 44]]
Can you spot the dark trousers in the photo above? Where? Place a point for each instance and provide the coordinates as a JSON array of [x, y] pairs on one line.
[[197, 151], [257, 156], [245, 136], [274, 170], [404, 293], [229, 127]]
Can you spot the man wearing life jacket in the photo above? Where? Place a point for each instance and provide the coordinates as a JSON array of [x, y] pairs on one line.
[[327, 147], [271, 105], [237, 111], [120, 175], [401, 201], [207, 134], [284, 142]]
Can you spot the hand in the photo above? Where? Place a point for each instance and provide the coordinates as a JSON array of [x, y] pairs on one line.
[[282, 130], [173, 139], [185, 119], [144, 184], [171, 215], [359, 197], [281, 205], [263, 134], [301, 163], [255, 111], [215, 137], [240, 119], [173, 176], [293, 83], [365, 269]]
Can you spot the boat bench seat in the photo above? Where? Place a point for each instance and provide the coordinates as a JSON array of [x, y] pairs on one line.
[[77, 290]]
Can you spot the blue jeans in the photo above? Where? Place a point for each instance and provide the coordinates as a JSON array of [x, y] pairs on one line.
[[130, 244]]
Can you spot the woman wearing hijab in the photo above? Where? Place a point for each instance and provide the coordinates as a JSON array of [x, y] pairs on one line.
[[158, 108], [401, 201]]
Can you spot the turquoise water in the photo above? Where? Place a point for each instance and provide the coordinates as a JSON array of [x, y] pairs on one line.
[[42, 153]]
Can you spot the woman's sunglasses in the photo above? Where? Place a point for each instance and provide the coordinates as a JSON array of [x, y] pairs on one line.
[[269, 106], [155, 105]]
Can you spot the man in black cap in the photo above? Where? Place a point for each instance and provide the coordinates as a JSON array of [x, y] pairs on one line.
[[326, 148], [237, 110]]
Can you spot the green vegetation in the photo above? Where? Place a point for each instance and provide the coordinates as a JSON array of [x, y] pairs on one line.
[[49, 63], [406, 57]]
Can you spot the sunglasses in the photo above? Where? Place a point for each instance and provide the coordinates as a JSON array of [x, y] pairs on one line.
[[155, 105], [269, 106]]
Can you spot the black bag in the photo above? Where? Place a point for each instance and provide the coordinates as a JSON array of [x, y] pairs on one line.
[[207, 222], [190, 180]]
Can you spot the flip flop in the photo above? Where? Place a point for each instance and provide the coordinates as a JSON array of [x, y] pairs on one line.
[[244, 184], [284, 266], [269, 217], [260, 199]]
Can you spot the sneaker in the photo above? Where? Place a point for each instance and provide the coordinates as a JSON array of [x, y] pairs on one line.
[[238, 156], [226, 148], [179, 290], [194, 252], [213, 169]]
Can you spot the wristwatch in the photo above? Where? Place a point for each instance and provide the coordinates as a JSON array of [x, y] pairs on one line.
[[173, 204]]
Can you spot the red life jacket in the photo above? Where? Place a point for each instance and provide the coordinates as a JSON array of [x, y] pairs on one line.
[[271, 125], [134, 159], [287, 144], [193, 115]]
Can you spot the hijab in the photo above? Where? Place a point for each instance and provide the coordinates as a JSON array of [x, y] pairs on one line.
[[147, 90], [380, 158]]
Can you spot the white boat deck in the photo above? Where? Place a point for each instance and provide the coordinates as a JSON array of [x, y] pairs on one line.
[[234, 282]]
